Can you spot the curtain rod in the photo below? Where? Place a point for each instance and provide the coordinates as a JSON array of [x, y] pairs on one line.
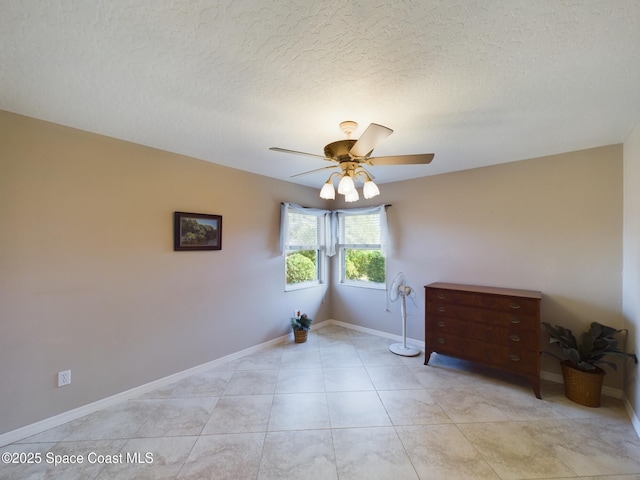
[[386, 205]]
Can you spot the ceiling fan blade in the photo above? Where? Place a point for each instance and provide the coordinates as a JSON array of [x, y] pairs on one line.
[[313, 171], [369, 139], [284, 150], [418, 159]]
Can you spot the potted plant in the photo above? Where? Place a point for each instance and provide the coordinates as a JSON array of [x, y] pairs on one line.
[[580, 371], [301, 324]]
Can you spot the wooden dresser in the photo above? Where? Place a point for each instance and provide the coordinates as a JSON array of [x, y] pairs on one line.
[[498, 327]]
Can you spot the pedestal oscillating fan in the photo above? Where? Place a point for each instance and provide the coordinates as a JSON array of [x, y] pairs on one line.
[[400, 290]]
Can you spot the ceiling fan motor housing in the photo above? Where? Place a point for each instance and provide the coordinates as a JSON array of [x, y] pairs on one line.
[[339, 150]]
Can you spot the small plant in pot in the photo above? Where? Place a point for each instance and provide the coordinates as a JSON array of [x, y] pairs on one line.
[[580, 371], [301, 324]]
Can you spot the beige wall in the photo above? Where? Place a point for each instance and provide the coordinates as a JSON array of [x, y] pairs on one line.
[[631, 269], [89, 279], [552, 224]]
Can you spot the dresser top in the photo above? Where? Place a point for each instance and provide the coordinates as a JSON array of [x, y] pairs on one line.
[[512, 292]]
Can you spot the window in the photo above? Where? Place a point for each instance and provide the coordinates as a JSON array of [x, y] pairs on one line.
[[303, 245], [308, 236], [361, 238]]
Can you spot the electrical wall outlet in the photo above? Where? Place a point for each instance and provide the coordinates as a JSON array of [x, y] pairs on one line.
[[64, 378]]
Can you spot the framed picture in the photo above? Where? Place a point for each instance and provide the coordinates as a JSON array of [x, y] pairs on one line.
[[197, 231]]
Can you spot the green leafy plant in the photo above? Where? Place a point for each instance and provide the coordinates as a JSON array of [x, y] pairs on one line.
[[301, 267], [587, 352], [367, 265], [301, 321]]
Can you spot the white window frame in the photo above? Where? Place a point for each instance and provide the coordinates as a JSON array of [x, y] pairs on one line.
[[342, 246], [288, 243]]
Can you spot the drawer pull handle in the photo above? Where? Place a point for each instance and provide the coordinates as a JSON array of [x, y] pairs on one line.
[[514, 320], [441, 340], [441, 296], [514, 358], [440, 323], [514, 338], [514, 305], [441, 309]]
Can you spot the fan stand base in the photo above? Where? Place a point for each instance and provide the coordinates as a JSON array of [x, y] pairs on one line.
[[400, 349]]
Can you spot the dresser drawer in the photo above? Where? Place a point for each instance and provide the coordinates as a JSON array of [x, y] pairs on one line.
[[509, 304], [452, 296], [503, 335], [522, 361], [448, 325], [457, 346], [517, 320], [484, 300]]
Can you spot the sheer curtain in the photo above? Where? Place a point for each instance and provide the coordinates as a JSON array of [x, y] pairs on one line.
[[329, 219], [381, 210], [325, 221]]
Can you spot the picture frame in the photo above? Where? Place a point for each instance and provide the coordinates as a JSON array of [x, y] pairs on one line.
[[196, 231]]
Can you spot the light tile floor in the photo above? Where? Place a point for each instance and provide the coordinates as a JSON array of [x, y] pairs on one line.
[[341, 406]]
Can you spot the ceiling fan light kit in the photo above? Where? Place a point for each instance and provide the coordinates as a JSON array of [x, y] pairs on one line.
[[349, 155], [346, 185], [352, 196], [328, 192], [370, 189]]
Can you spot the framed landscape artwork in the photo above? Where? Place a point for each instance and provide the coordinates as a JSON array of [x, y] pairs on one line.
[[197, 231]]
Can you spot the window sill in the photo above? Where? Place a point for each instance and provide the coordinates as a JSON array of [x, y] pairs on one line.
[[369, 285], [302, 286]]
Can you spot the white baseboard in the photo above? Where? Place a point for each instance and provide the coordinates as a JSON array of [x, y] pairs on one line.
[[377, 333], [57, 420], [635, 421], [74, 414]]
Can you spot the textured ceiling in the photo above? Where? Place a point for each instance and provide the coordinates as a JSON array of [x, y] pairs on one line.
[[475, 82]]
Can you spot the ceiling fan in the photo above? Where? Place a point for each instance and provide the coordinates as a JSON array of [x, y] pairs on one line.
[[351, 155]]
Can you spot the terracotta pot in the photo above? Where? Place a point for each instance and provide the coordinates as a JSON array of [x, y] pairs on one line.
[[583, 387]]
